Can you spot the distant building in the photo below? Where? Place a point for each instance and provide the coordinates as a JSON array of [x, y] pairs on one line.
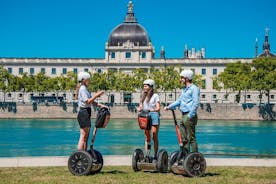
[[129, 47], [266, 47]]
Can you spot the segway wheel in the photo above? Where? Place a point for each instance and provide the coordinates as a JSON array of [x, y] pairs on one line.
[[173, 159], [195, 164], [162, 161], [97, 164], [137, 156], [80, 163]]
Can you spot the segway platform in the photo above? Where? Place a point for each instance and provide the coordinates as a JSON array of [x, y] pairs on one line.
[[141, 162]]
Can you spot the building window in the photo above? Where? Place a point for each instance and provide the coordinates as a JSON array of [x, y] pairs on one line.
[[203, 96], [54, 71], [215, 71], [86, 69], [193, 70], [226, 96], [113, 55], [42, 70], [21, 70], [215, 96], [64, 71], [99, 70], [32, 71], [248, 96], [143, 55], [204, 84], [203, 71], [272, 97], [10, 70], [75, 70], [128, 55]]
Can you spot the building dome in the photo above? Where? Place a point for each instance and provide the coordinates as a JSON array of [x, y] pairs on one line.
[[129, 31]]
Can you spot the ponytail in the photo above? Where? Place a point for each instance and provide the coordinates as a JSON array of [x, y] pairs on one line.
[[77, 91]]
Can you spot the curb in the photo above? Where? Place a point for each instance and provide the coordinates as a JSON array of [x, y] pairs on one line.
[[125, 160]]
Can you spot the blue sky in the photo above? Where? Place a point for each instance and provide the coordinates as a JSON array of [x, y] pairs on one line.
[[80, 28]]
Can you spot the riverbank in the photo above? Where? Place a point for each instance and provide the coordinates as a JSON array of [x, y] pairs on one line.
[[127, 111]]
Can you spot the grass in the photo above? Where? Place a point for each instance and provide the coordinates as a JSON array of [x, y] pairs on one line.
[[125, 175]]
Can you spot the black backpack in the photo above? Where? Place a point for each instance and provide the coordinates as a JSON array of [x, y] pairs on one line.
[[102, 118]]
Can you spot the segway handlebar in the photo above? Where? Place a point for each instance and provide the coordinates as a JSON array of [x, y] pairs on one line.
[[174, 117], [180, 142]]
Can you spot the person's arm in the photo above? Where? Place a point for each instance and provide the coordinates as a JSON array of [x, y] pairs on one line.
[[157, 104], [174, 104], [140, 107], [195, 103], [91, 100]]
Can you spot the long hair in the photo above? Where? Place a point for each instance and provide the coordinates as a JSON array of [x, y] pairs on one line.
[[147, 95], [77, 90]]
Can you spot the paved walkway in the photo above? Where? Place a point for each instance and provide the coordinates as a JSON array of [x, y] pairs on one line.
[[125, 160]]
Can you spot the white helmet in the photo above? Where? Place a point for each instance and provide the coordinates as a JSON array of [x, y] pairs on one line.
[[149, 82], [83, 76], [188, 74]]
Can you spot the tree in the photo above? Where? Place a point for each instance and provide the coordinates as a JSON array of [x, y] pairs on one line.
[[4, 78], [264, 76], [235, 77]]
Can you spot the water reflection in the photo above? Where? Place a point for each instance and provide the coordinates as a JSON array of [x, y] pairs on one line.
[[59, 137]]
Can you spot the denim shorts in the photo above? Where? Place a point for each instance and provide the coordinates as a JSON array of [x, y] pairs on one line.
[[155, 118], [84, 117]]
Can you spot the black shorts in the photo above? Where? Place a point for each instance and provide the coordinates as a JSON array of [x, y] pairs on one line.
[[84, 117]]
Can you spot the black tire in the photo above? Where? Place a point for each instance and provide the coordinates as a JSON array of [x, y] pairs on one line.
[[173, 159], [97, 167], [80, 163], [195, 164], [137, 156], [162, 161]]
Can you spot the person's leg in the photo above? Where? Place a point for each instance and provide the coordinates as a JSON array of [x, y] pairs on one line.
[[190, 129], [183, 132], [155, 139], [193, 141], [147, 142], [84, 134]]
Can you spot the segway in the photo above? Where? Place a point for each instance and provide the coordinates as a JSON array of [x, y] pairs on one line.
[[145, 162], [83, 162], [190, 164]]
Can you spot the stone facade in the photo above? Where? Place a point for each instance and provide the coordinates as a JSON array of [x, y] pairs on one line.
[[205, 111]]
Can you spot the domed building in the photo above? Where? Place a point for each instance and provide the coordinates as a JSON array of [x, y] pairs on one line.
[[129, 41], [129, 47]]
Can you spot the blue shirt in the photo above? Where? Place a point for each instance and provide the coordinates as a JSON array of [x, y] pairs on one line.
[[188, 100], [83, 96]]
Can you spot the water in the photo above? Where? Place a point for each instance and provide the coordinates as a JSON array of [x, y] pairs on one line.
[[33, 137]]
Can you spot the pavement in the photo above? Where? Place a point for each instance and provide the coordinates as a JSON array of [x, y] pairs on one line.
[[125, 160]]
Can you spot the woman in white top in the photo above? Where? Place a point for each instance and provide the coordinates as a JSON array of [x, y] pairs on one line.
[[150, 101], [85, 100]]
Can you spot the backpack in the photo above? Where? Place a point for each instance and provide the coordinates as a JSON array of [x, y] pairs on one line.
[[102, 118], [144, 120]]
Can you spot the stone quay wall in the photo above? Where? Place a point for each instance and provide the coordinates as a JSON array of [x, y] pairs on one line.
[[205, 111]]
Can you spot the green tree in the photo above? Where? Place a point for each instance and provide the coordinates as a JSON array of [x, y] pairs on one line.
[[264, 76], [235, 77]]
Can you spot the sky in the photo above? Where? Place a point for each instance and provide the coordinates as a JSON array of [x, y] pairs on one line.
[[80, 28]]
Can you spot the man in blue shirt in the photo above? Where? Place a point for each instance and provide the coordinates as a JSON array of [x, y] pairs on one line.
[[188, 103]]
